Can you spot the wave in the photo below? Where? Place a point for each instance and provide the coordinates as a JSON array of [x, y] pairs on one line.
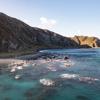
[[19, 65], [46, 82], [17, 77], [80, 78], [69, 76]]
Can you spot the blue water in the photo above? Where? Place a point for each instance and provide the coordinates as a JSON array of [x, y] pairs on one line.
[[86, 63]]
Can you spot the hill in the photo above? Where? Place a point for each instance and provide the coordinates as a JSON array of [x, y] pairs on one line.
[[16, 36]]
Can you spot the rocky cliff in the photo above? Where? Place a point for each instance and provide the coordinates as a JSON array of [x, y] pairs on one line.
[[85, 41], [16, 35]]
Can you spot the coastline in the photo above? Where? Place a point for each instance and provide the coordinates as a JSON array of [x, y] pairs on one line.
[[15, 54], [21, 56], [33, 51], [29, 54], [8, 58]]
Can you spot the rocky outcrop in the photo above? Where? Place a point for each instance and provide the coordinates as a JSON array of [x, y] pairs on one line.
[[85, 41], [16, 35], [97, 43]]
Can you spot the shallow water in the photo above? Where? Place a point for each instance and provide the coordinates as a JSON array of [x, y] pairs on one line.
[[79, 81]]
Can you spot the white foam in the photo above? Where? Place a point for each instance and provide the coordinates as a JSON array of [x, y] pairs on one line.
[[34, 64], [47, 82], [13, 70], [69, 76], [52, 68], [17, 77], [19, 67], [80, 78], [86, 79]]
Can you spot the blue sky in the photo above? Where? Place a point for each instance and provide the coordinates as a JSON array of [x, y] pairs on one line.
[[66, 17]]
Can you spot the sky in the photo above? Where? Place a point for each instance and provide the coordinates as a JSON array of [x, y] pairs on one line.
[[66, 17]]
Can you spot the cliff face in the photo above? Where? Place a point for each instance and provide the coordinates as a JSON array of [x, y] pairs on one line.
[[85, 41], [16, 35]]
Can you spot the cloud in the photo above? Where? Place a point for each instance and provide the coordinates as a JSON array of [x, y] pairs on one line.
[[46, 23]]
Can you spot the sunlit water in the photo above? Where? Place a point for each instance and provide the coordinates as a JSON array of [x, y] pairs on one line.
[[56, 79]]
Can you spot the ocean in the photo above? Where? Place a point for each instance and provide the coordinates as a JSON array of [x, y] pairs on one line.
[[77, 78]]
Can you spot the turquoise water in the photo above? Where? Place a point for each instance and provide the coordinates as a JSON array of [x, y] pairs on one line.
[[85, 63]]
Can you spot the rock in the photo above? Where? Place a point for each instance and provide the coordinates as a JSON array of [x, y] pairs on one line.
[[87, 42], [97, 43], [28, 94], [66, 58]]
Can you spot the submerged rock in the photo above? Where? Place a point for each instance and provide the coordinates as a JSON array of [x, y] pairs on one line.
[[66, 58], [28, 94], [81, 97]]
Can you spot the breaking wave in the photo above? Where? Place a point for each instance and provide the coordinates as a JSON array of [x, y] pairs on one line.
[[78, 77], [47, 82]]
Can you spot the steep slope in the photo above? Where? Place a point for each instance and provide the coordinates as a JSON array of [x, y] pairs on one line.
[[16, 35], [85, 41]]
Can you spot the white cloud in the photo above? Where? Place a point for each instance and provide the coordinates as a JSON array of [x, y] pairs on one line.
[[46, 23]]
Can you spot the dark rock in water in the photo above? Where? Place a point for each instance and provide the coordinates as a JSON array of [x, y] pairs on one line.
[[81, 97], [0, 71], [66, 58], [48, 55], [47, 92], [29, 94]]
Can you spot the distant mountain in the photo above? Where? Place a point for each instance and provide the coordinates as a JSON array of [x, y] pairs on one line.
[[15, 35]]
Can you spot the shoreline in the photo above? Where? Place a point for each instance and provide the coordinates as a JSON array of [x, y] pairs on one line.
[[14, 54], [19, 53], [25, 53], [21, 57]]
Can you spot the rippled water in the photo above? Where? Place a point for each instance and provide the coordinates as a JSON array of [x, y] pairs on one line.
[[43, 79]]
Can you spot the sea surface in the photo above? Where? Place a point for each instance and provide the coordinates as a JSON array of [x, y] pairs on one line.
[[77, 78]]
